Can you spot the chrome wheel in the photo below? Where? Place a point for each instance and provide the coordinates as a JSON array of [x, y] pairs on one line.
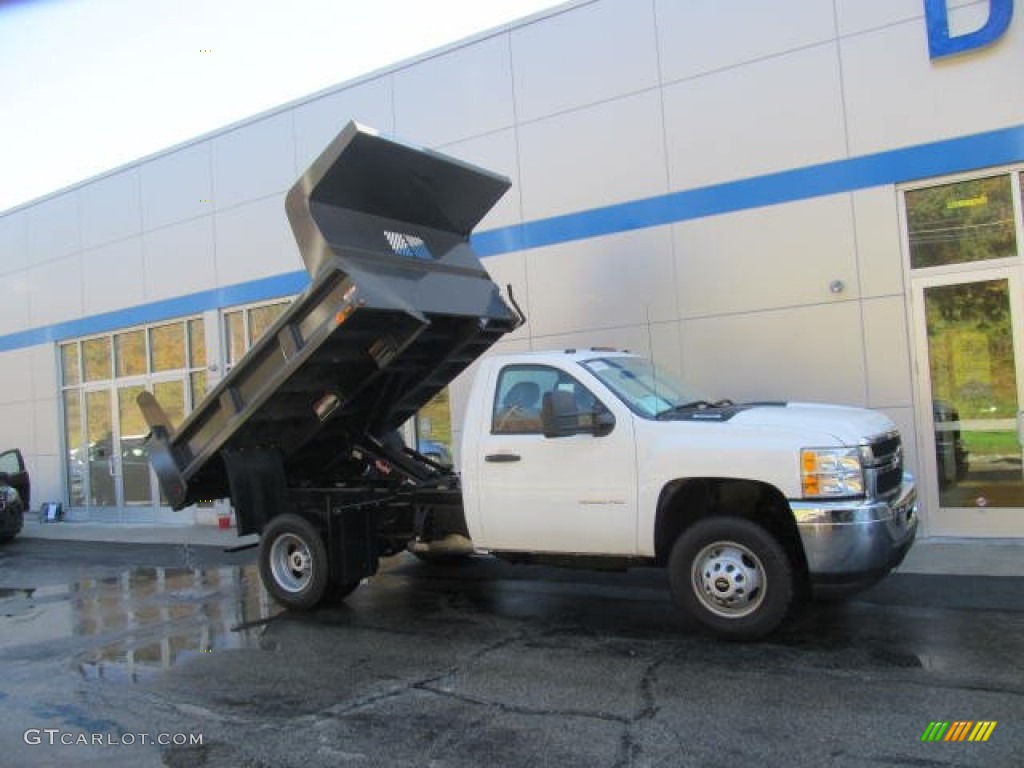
[[291, 563], [729, 579]]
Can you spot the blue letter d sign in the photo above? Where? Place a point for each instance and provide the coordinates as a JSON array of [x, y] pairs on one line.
[[940, 43]]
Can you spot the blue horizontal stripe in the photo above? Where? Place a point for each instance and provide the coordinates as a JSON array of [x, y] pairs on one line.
[[893, 167], [940, 158], [243, 293]]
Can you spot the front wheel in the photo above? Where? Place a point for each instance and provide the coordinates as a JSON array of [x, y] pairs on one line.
[[731, 577], [293, 562]]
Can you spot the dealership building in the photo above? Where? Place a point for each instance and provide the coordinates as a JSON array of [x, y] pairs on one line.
[[795, 200]]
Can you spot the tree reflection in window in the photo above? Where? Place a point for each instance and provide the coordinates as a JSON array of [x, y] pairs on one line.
[[961, 222]]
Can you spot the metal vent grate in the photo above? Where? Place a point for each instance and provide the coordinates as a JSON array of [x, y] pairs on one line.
[[409, 246]]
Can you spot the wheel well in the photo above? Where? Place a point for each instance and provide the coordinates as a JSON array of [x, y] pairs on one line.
[[685, 501]]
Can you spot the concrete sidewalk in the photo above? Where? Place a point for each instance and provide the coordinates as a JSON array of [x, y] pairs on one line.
[[960, 557], [200, 535]]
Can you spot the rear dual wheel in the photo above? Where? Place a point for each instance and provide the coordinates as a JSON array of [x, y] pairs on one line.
[[294, 565]]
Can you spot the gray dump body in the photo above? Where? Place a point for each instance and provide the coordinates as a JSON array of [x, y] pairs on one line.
[[398, 306]]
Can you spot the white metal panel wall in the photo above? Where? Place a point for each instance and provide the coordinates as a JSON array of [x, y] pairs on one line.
[[55, 291], [29, 413], [601, 285], [767, 258], [928, 100], [592, 53], [610, 152], [113, 277], [319, 120], [179, 259], [253, 161], [13, 241], [770, 115], [53, 229], [496, 152], [177, 186], [455, 95], [254, 240], [111, 208], [697, 38]]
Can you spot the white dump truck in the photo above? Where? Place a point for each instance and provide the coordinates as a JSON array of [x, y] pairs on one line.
[[590, 458]]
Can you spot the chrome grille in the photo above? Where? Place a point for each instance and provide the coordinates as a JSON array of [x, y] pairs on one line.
[[884, 468]]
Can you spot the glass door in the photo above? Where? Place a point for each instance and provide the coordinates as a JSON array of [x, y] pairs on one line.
[[101, 466], [969, 326]]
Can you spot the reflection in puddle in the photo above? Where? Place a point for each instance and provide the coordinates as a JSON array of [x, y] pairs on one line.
[[143, 621]]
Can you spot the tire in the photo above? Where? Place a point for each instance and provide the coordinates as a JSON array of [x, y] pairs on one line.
[[732, 578], [293, 563]]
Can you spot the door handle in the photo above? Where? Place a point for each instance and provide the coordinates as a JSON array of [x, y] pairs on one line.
[[502, 458]]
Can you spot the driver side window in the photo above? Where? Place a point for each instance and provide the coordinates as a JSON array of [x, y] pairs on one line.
[[520, 395]]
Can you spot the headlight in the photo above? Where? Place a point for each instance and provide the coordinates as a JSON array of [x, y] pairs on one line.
[[831, 472]]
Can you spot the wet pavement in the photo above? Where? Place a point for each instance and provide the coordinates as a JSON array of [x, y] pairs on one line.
[[106, 649]]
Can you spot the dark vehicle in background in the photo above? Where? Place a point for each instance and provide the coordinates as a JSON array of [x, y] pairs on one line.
[[950, 452], [435, 451], [15, 494]]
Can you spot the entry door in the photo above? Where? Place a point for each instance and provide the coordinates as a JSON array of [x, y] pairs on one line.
[[969, 326], [118, 464]]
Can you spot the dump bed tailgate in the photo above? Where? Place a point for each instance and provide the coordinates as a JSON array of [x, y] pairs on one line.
[[398, 306]]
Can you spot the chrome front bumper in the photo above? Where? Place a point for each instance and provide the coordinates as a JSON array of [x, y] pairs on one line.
[[851, 545]]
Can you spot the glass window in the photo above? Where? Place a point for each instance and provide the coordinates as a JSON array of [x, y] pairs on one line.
[[234, 336], [78, 458], [96, 353], [961, 222], [70, 368], [434, 429], [648, 391], [196, 344], [261, 318], [520, 395], [130, 353], [167, 343]]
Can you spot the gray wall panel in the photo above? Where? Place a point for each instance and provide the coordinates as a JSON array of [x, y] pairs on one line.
[[496, 152], [790, 354], [177, 186], [111, 208], [179, 259], [318, 121], [772, 115], [112, 276], [767, 258], [253, 161], [55, 291], [455, 95], [53, 228], [253, 241], [608, 153], [13, 241], [695, 38], [590, 54]]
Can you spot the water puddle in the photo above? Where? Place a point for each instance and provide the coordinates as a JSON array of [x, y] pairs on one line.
[[134, 626]]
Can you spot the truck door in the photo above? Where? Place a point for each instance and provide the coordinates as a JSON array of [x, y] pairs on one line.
[[575, 494]]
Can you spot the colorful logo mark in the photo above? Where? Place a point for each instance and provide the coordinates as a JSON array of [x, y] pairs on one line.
[[959, 730]]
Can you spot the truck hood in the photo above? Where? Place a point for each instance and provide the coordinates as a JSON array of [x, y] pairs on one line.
[[845, 424]]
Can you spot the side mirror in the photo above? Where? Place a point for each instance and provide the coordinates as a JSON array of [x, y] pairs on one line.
[[559, 417]]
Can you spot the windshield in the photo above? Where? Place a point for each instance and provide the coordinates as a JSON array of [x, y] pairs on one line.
[[646, 390]]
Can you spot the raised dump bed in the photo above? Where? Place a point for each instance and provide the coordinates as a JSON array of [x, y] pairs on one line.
[[398, 306]]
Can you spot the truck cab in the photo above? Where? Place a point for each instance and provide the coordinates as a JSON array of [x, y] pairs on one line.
[[598, 455]]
